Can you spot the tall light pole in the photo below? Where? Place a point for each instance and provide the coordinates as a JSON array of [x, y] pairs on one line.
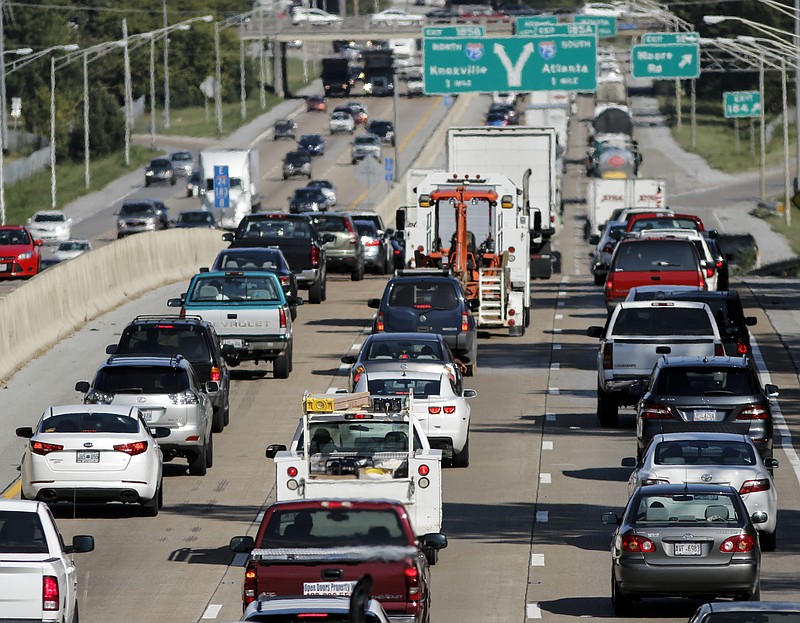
[[218, 26], [53, 132], [166, 70], [127, 89]]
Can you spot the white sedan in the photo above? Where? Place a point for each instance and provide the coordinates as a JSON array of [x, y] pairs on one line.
[[70, 249], [712, 458], [602, 9], [95, 453], [315, 17], [443, 412], [50, 226], [396, 17]]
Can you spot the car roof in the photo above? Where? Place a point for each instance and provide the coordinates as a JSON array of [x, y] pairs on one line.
[[168, 318], [700, 436], [84, 408], [167, 361], [410, 336]]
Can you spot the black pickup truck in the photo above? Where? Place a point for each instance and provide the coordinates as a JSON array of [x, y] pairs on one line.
[[296, 237]]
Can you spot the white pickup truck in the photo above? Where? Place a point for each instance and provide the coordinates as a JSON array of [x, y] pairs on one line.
[[353, 446], [38, 580], [636, 335]]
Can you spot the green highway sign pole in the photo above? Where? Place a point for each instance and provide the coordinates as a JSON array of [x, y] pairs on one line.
[[545, 30], [606, 26], [453, 31], [741, 104], [665, 62], [554, 63], [670, 37]]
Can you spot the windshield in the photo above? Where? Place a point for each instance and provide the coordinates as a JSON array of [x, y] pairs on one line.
[[141, 380], [137, 209], [253, 288], [90, 423], [423, 296], [49, 218], [333, 527], [182, 156], [276, 228], [73, 246], [364, 437], [366, 140], [196, 217], [692, 452], [654, 321], [685, 508], [422, 388], [165, 339], [705, 381], [21, 533], [14, 236], [307, 194], [160, 164]]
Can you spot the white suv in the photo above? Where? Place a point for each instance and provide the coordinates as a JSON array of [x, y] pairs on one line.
[[342, 122]]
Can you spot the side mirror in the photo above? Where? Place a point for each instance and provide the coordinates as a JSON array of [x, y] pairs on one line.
[[211, 387], [175, 302], [771, 390], [227, 237], [751, 321], [400, 218], [204, 269], [349, 359], [712, 233], [594, 239], [595, 331], [759, 517], [38, 243], [629, 461], [82, 386], [273, 449], [243, 544], [474, 304], [81, 543], [434, 540], [470, 393], [111, 349], [297, 301], [26, 432], [374, 303], [159, 432], [771, 463], [610, 519]]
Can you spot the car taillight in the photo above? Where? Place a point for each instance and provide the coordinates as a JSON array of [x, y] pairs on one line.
[[609, 248], [609, 286], [464, 321], [282, 313], [423, 470], [709, 272], [449, 410], [372, 243], [397, 251], [753, 412], [701, 281], [739, 543], [284, 279], [719, 350], [654, 481], [741, 348], [434, 410], [40, 447], [608, 356], [719, 264], [412, 580], [50, 596], [754, 486], [137, 447], [215, 375], [316, 255], [250, 584], [353, 239], [655, 411], [182, 313], [634, 543], [379, 324], [291, 472], [349, 227]]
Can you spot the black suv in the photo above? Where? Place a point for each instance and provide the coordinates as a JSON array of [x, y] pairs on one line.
[[189, 336], [284, 128], [297, 163], [383, 130], [433, 302]]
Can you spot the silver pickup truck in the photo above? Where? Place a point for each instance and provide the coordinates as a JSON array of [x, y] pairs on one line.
[[250, 313], [635, 336], [38, 579]]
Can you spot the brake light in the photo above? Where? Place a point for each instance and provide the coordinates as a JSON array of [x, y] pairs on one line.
[[282, 312], [50, 596], [316, 255], [634, 543], [608, 356], [709, 272], [284, 279], [434, 410], [449, 410], [423, 470], [719, 350], [654, 481], [609, 287], [397, 251], [372, 243], [353, 239], [754, 486], [349, 226], [464, 321], [182, 313], [701, 281], [609, 248], [719, 264], [741, 348], [412, 580], [379, 324], [753, 412], [164, 326], [655, 411], [250, 584], [137, 447], [291, 472], [40, 447], [215, 375], [740, 543]]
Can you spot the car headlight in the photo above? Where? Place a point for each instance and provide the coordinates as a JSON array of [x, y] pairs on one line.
[[184, 398], [121, 223], [25, 256], [148, 173], [96, 397]]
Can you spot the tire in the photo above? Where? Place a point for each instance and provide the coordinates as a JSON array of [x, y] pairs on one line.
[[218, 421], [607, 410], [599, 280], [527, 316], [198, 466], [462, 458], [227, 416], [75, 613], [768, 541], [146, 183], [286, 177], [172, 182], [280, 367], [150, 507], [315, 293], [210, 452], [754, 596], [358, 273], [325, 288], [622, 603]]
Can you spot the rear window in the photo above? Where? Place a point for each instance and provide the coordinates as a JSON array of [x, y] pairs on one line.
[[310, 613], [141, 380], [652, 321], [166, 339], [365, 228], [90, 423], [254, 288], [727, 312], [664, 222], [196, 217], [263, 259], [423, 296], [331, 223], [386, 350], [275, 228], [49, 218], [691, 452], [662, 255], [333, 527], [422, 388], [703, 381], [21, 533], [364, 437], [686, 508]]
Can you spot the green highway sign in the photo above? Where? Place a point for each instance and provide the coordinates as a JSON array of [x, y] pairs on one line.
[[671, 37], [606, 26], [529, 22], [546, 30], [740, 104], [475, 64], [453, 31], [667, 61]]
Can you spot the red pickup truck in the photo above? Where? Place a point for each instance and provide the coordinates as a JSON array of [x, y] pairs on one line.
[[322, 547]]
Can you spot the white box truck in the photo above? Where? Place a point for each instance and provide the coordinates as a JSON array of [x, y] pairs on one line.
[[244, 180], [605, 196]]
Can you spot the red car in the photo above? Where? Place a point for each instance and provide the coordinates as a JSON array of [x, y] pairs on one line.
[[316, 103], [664, 220], [19, 253]]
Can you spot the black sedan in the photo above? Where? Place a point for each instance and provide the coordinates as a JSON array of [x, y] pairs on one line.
[[383, 130], [308, 199], [284, 128], [159, 171], [189, 219], [314, 144]]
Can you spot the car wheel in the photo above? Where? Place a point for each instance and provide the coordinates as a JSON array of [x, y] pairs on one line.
[[218, 421], [227, 417], [75, 613], [599, 280], [198, 466], [768, 541], [358, 273], [622, 603], [462, 458], [607, 410], [353, 161], [150, 507], [280, 367], [527, 315], [315, 293], [172, 182], [146, 183], [286, 177], [210, 451], [324, 288], [291, 356]]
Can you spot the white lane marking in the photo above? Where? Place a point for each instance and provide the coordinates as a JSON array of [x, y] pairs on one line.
[[545, 479], [547, 445], [537, 560], [556, 330], [344, 366], [533, 611], [542, 516], [565, 279], [356, 346], [562, 293], [556, 346], [561, 303], [550, 417], [559, 316], [554, 391], [787, 443], [555, 366], [574, 427], [259, 517], [212, 611]]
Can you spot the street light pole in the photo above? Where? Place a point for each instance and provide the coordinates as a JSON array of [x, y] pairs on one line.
[[166, 70], [242, 77], [53, 132], [3, 117], [153, 92], [217, 80], [787, 205], [762, 182], [128, 94], [86, 174]]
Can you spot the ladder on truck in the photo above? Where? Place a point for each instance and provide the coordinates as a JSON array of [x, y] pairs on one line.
[[492, 295]]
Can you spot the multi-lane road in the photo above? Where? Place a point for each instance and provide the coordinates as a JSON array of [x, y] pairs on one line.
[[523, 520]]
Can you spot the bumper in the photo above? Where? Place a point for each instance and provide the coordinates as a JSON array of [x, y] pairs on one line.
[[620, 387], [346, 262], [462, 343], [306, 278], [67, 491], [17, 268], [135, 229], [253, 347]]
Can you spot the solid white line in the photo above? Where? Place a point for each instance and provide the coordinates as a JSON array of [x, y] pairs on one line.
[[556, 346], [212, 611], [786, 441], [537, 560], [550, 417], [533, 611], [545, 479], [542, 516], [547, 445]]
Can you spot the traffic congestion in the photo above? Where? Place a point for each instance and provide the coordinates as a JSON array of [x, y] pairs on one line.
[[534, 388]]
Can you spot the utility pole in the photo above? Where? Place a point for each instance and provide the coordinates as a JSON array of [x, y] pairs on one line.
[[128, 92], [166, 69]]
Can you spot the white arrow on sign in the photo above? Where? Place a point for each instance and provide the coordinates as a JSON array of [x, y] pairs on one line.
[[686, 59]]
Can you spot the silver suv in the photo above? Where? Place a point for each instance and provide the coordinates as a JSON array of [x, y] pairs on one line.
[[140, 215], [364, 146], [168, 393]]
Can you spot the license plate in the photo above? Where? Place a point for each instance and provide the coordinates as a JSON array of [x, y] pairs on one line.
[[423, 329], [705, 416], [688, 549], [3, 268], [233, 343], [328, 588], [147, 414], [87, 457]]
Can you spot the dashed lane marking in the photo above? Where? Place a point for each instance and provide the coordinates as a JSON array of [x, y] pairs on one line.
[[537, 560], [545, 478], [555, 366], [533, 611], [212, 611], [556, 346], [542, 516], [559, 316], [555, 391], [547, 445]]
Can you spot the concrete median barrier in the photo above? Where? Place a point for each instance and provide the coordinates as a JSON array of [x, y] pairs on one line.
[[62, 299]]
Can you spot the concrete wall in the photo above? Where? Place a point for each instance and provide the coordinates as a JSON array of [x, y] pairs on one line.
[[65, 297]]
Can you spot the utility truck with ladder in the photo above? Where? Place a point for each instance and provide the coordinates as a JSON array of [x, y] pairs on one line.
[[478, 228]]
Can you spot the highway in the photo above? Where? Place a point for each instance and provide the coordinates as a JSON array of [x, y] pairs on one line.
[[526, 541]]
